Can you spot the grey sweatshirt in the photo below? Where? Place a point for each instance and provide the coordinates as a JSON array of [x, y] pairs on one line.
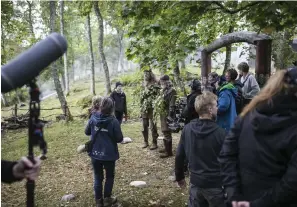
[[251, 87]]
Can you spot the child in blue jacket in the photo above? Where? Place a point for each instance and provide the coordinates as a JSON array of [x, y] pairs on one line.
[[106, 130]]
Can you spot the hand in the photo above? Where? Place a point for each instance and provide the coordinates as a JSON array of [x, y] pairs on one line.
[[182, 184], [240, 204], [125, 117], [26, 169]]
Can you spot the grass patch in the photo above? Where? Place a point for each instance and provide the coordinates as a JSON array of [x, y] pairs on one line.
[[66, 172]]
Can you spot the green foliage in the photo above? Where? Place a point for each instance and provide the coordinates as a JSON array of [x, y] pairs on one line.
[[148, 96], [131, 79], [14, 97], [282, 53], [85, 102], [159, 107]]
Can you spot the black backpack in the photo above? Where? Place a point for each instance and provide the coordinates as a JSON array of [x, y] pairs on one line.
[[239, 100]]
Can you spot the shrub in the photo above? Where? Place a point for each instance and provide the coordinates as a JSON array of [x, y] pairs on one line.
[[85, 102], [131, 79]]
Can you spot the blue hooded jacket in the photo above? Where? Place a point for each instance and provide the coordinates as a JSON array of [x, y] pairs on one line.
[[227, 106], [105, 147]]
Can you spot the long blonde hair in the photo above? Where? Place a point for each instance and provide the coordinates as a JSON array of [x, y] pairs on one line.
[[273, 86]]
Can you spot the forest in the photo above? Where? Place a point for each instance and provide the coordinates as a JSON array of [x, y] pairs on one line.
[[110, 41]]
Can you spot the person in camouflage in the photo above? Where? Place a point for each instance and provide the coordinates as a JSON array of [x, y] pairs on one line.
[[169, 97], [149, 94]]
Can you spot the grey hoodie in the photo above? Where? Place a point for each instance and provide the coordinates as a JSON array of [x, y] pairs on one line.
[[250, 86]]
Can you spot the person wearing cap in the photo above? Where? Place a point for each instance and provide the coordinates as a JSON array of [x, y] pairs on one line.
[[119, 98], [189, 112], [169, 97], [148, 95], [250, 85]]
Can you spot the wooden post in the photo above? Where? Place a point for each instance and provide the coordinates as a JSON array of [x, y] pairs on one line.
[[205, 66], [263, 61], [15, 110]]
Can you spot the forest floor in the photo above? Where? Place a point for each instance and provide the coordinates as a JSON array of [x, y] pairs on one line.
[[66, 172]]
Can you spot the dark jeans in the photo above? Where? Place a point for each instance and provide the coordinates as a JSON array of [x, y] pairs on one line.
[[206, 197], [109, 167], [119, 116]]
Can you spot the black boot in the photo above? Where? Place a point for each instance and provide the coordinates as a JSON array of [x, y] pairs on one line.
[[154, 145], [163, 150], [168, 149], [145, 137]]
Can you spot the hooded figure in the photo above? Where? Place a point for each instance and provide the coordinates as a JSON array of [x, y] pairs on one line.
[[149, 93], [189, 112], [227, 94], [259, 155], [201, 141]]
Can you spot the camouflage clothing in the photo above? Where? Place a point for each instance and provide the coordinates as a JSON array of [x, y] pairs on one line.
[[147, 98], [169, 96]]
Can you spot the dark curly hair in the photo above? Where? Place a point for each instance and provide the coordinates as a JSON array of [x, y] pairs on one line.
[[244, 67], [233, 73]]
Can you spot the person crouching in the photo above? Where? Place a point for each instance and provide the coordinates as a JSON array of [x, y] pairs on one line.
[[105, 132], [201, 142]]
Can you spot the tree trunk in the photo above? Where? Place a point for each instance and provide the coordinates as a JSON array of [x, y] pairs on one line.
[[30, 17], [100, 46], [89, 35], [63, 81], [3, 97], [66, 75], [182, 64], [55, 74], [178, 79], [120, 66], [228, 52], [3, 51], [18, 95]]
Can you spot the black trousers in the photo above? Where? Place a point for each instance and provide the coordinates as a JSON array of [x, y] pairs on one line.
[[119, 116]]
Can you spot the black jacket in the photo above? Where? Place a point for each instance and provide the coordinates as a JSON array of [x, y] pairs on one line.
[[6, 172], [120, 101], [200, 143], [259, 155], [189, 112]]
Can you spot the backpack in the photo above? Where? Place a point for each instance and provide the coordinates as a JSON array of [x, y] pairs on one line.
[[239, 100]]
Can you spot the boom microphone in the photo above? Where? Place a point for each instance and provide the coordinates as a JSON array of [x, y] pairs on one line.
[[30, 63]]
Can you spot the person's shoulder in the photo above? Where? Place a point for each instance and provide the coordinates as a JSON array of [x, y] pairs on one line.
[[221, 131]]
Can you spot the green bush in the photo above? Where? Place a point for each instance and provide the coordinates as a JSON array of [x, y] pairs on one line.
[[12, 97], [85, 102], [133, 103], [131, 79]]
